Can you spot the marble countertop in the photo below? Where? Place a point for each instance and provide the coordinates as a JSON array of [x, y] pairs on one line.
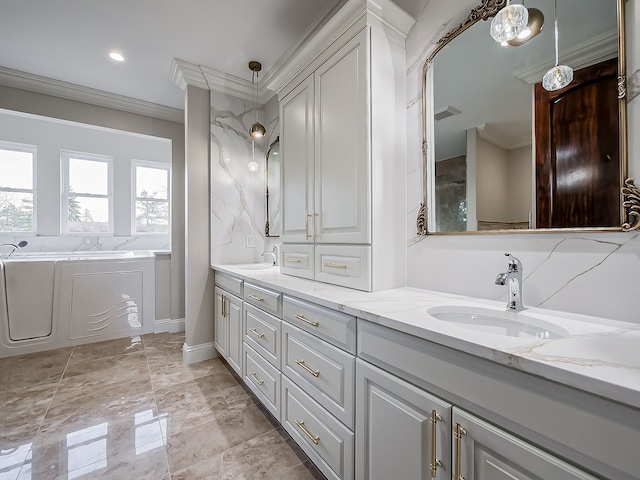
[[598, 355]]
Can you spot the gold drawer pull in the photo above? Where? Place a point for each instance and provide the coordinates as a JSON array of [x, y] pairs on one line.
[[292, 260], [435, 463], [258, 381], [459, 432], [306, 320], [315, 440], [334, 265], [315, 373], [256, 333], [260, 299]]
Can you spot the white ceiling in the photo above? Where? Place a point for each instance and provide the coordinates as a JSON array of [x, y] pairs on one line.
[[68, 40]]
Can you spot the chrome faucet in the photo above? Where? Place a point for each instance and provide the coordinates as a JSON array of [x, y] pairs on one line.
[[512, 278], [273, 252], [14, 247]]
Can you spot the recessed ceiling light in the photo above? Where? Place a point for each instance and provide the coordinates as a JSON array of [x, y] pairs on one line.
[[116, 56]]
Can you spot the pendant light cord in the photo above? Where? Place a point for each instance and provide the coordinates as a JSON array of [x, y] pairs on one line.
[[555, 26]]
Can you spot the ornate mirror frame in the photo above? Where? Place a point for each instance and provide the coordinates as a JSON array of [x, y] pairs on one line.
[[630, 194], [274, 144]]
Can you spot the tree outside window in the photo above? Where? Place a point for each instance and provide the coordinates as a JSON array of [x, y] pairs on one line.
[[151, 199], [17, 191]]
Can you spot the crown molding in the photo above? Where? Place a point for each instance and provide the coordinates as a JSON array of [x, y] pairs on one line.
[[595, 50], [382, 14], [185, 73], [495, 136], [71, 91]]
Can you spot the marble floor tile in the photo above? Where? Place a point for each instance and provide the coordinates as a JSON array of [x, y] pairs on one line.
[[103, 371], [166, 373], [191, 404], [23, 411], [131, 448], [120, 346], [82, 407], [32, 369], [131, 410], [200, 443]]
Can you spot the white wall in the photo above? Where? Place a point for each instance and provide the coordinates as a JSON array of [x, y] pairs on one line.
[[492, 179], [60, 108], [51, 137], [593, 274]]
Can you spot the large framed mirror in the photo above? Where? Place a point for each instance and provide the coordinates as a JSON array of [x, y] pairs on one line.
[[273, 172], [502, 154]]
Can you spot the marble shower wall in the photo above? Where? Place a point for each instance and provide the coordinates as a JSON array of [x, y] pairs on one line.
[[592, 274], [237, 195]]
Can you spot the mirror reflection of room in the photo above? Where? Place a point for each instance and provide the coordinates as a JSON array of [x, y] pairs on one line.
[[510, 155]]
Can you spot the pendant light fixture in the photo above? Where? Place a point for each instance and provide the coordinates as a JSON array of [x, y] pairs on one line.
[[509, 22], [561, 75], [534, 26], [257, 129]]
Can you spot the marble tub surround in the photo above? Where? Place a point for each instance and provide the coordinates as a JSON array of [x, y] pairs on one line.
[[598, 355], [130, 409]]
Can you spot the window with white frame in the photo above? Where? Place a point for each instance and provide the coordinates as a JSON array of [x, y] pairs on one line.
[[17, 187], [87, 205], [151, 203]]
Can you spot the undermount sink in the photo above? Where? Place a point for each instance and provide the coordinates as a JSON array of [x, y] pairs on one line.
[[498, 322], [255, 266]]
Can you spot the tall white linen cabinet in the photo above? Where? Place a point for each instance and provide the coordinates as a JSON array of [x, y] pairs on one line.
[[343, 135]]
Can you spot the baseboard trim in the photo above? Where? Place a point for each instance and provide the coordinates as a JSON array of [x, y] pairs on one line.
[[198, 353], [169, 325]]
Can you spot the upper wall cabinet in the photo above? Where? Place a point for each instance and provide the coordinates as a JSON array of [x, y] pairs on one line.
[[343, 147], [326, 188]]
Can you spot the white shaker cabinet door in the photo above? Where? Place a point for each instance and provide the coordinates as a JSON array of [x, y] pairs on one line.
[[343, 179], [221, 324], [228, 328], [402, 432], [297, 145], [234, 315], [482, 451]]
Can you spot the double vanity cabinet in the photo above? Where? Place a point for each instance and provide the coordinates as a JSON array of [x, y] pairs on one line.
[[368, 401]]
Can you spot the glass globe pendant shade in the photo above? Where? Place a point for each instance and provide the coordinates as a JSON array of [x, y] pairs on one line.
[[558, 77], [257, 130], [508, 23]]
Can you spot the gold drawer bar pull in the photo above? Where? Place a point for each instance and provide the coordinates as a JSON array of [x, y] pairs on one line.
[[258, 381], [334, 265], [260, 299], [459, 432], [315, 373], [256, 333], [315, 440], [292, 260], [306, 320], [435, 463]]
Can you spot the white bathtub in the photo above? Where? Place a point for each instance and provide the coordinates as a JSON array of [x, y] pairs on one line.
[[53, 300]]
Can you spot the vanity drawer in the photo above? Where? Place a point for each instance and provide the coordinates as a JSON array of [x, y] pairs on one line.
[[320, 369], [334, 327], [323, 438], [229, 283], [263, 379], [262, 332], [268, 300], [297, 260], [348, 266]]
